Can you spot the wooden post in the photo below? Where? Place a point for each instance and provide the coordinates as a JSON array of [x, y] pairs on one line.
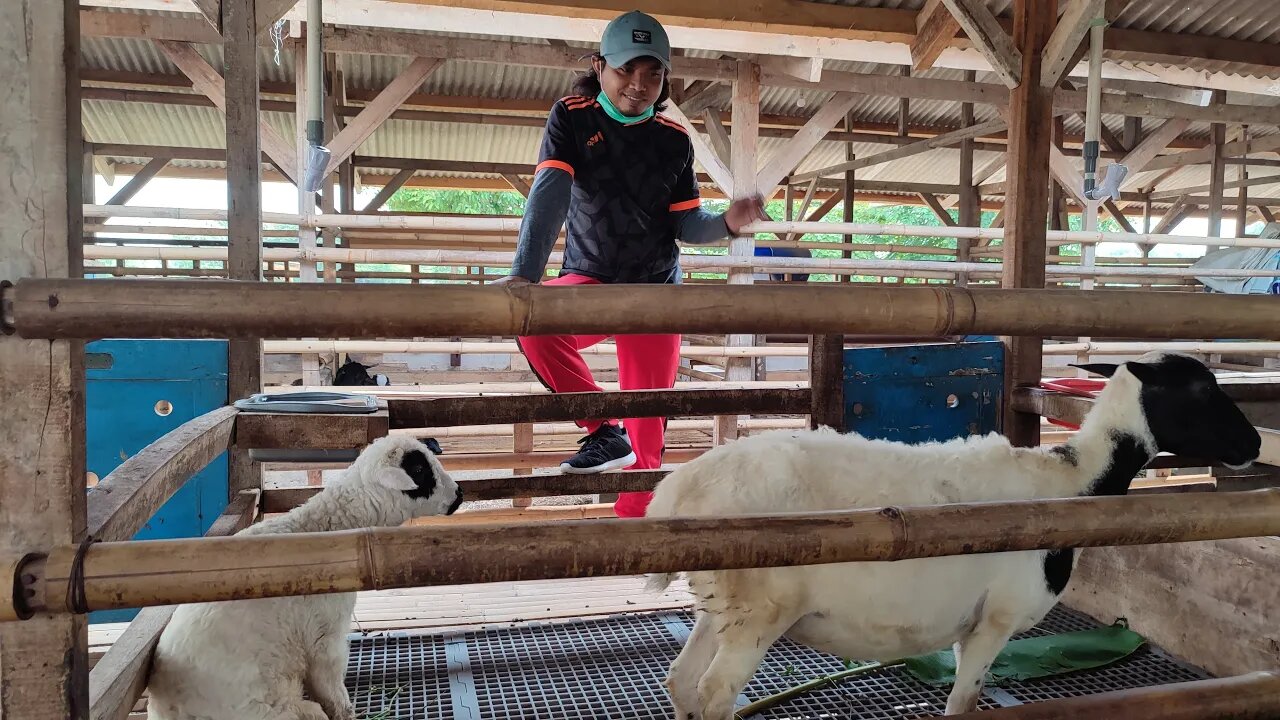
[[244, 206], [1217, 170], [1030, 129], [970, 212], [1242, 197], [523, 443], [849, 194], [746, 123], [44, 671], [826, 381]]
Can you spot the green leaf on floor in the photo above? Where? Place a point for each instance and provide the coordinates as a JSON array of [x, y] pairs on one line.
[[1037, 657]]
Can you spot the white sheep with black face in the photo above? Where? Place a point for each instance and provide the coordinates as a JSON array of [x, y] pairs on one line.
[[888, 610], [255, 659]]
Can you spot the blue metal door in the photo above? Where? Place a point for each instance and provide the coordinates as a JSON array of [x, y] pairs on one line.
[[918, 393], [135, 392]]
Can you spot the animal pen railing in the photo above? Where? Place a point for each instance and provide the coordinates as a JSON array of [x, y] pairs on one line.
[[116, 573]]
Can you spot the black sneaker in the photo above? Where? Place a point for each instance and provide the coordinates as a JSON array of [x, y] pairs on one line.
[[605, 449]]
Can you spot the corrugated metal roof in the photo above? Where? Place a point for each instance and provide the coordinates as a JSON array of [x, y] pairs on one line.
[[152, 124]]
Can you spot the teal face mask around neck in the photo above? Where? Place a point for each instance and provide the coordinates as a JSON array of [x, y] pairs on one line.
[[612, 111]]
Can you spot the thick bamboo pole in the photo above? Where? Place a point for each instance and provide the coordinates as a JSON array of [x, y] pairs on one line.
[[567, 428], [70, 308], [163, 572], [512, 225], [276, 347], [690, 262], [1255, 696]]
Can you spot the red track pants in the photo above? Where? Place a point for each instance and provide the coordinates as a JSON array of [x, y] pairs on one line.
[[645, 362]]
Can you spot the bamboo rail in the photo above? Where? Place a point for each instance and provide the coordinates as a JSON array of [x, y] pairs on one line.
[[87, 309], [688, 262], [164, 572], [1255, 696], [568, 428], [512, 224], [280, 347]]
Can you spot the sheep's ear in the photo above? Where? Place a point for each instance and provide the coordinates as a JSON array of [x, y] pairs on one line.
[[395, 478], [1144, 372], [1104, 369], [433, 445]]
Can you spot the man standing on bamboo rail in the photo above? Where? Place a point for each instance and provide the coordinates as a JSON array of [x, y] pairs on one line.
[[623, 177]]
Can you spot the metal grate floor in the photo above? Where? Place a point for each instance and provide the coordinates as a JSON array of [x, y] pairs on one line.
[[613, 667]]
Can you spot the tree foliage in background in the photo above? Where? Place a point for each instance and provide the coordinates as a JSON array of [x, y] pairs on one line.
[[465, 202]]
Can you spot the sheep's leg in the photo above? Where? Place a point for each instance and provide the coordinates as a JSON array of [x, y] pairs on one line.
[[742, 647], [324, 681], [974, 655], [682, 682]]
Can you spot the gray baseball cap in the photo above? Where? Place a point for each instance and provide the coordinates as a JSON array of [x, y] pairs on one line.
[[634, 35]]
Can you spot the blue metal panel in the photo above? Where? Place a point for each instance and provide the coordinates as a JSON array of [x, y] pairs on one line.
[[917, 393], [135, 392]]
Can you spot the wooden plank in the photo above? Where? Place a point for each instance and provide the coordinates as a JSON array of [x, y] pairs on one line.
[[1141, 156], [462, 411], [935, 29], [375, 113], [245, 140], [704, 152], [1266, 213], [989, 38], [1118, 215], [318, 431], [212, 11], [209, 83], [123, 501], [118, 679], [1269, 143], [1067, 37], [713, 96], [1172, 216], [746, 124], [138, 181], [1026, 203], [803, 142], [44, 660]]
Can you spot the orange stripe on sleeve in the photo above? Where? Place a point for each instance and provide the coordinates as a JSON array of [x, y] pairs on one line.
[[686, 205], [557, 164]]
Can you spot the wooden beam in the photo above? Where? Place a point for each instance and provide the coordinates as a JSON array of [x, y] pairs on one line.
[[138, 181], [717, 134], [943, 216], [246, 138], [1266, 213], [1172, 216], [123, 502], [826, 382], [547, 407], [212, 11], [935, 29], [1217, 170], [269, 11], [970, 211], [1067, 38], [516, 182], [1108, 138], [1118, 215], [989, 38], [1141, 156], [373, 114], [1269, 143], [1026, 203], [922, 146], [209, 83], [706, 156], [316, 431], [44, 660], [118, 679], [713, 96], [803, 142], [746, 124], [395, 183]]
